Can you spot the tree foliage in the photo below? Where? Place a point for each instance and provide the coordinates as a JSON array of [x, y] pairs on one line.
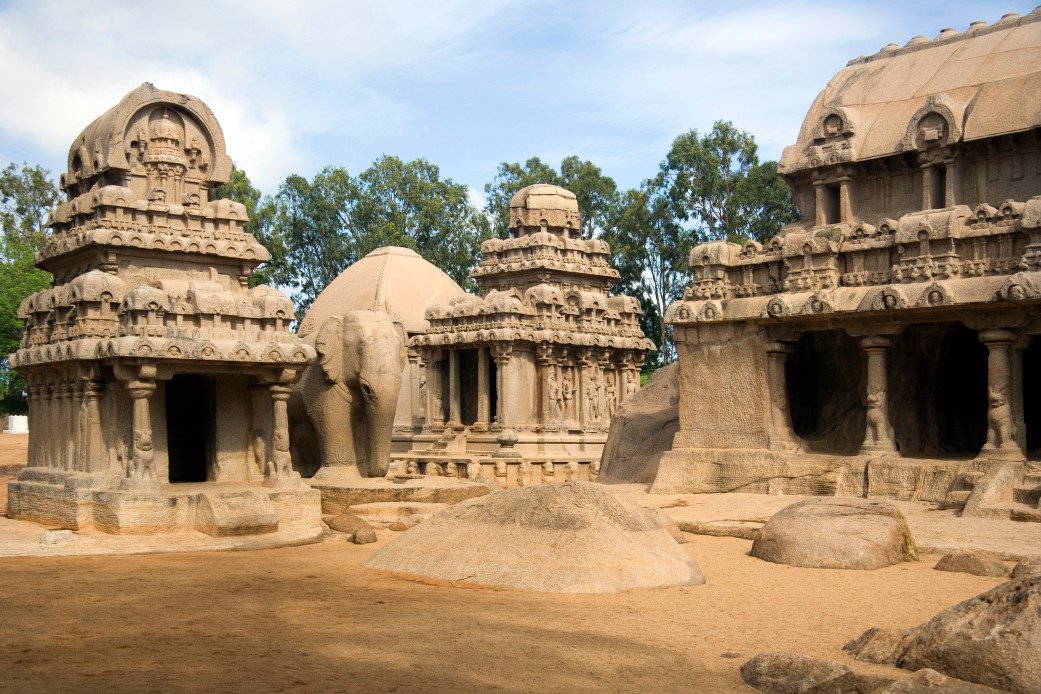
[[597, 194], [319, 227], [721, 190], [27, 194]]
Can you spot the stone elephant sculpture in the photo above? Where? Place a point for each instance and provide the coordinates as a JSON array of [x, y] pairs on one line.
[[341, 411]]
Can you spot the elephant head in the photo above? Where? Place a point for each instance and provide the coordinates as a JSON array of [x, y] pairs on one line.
[[350, 394]]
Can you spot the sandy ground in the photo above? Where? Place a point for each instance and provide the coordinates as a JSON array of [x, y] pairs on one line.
[[312, 619]]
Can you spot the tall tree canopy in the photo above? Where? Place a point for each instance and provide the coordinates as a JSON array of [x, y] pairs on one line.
[[597, 194], [720, 189], [27, 194], [319, 227]]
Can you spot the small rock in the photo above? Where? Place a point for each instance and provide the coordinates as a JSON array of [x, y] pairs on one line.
[[56, 537], [347, 523], [400, 525], [974, 561], [882, 646], [788, 673], [1027, 567], [731, 654], [927, 681], [364, 536], [836, 533]]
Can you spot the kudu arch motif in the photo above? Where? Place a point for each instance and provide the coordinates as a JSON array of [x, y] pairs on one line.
[[895, 326]]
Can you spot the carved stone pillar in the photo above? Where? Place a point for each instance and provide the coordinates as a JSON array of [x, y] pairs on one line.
[[782, 435], [64, 433], [548, 387], [820, 218], [260, 438], [483, 391], [35, 428], [502, 408], [281, 460], [48, 432], [141, 471], [878, 438], [954, 181], [94, 455], [1003, 440], [454, 406], [74, 445], [845, 206], [434, 411], [583, 384]]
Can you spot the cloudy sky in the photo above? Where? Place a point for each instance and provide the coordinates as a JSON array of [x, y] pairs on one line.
[[300, 85]]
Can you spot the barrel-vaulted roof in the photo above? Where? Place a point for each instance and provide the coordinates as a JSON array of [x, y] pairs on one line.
[[983, 82]]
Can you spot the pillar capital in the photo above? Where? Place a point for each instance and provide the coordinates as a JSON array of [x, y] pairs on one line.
[[778, 347], [996, 336], [874, 342]]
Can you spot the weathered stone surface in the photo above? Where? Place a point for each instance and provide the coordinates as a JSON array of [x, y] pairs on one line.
[[56, 537], [832, 533], [151, 361], [927, 681], [363, 536], [400, 526], [562, 352], [883, 646], [992, 639], [642, 429], [1027, 567], [347, 523], [976, 562], [575, 537], [859, 337], [789, 673]]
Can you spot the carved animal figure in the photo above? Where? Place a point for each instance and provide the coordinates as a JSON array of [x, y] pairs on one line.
[[341, 411], [1000, 432], [876, 433]]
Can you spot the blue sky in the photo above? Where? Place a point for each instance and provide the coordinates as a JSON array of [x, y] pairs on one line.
[[300, 85]]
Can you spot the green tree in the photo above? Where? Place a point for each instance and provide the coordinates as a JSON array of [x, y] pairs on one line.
[[597, 194], [319, 227], [721, 190], [650, 251], [27, 194]]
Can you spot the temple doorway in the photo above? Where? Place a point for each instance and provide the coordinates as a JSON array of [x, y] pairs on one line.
[[190, 416], [825, 379]]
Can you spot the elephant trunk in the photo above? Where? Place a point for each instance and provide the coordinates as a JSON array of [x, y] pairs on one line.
[[379, 412]]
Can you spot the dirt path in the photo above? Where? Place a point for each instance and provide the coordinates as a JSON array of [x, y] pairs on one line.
[[312, 619]]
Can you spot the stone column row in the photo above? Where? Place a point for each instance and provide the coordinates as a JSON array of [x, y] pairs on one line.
[[1005, 435]]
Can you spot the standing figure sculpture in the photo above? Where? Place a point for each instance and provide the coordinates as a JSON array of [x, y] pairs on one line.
[[568, 392]]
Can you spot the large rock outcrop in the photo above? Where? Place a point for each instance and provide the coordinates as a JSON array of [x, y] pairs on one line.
[[576, 537], [836, 533], [642, 429], [993, 639]]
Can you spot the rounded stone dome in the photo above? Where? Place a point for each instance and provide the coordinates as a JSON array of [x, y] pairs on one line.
[[391, 279], [543, 204]]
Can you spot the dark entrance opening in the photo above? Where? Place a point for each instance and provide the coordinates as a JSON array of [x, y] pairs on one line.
[[825, 380], [832, 205], [1032, 395], [189, 426], [468, 386], [961, 392]]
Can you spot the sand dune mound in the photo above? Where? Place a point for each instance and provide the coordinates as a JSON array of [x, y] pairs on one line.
[[577, 537]]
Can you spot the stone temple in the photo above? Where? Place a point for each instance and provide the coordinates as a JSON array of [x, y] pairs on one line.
[[158, 378], [887, 344], [520, 383]]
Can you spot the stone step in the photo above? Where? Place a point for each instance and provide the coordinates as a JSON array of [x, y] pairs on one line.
[[1013, 511], [382, 514], [956, 500], [1029, 495]]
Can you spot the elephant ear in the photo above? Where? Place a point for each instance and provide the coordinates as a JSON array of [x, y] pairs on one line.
[[403, 353], [329, 345]]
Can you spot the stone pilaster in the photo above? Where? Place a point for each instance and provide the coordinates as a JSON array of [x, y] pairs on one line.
[[1003, 440], [282, 463], [141, 470], [483, 391], [878, 437], [782, 435], [454, 404]]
